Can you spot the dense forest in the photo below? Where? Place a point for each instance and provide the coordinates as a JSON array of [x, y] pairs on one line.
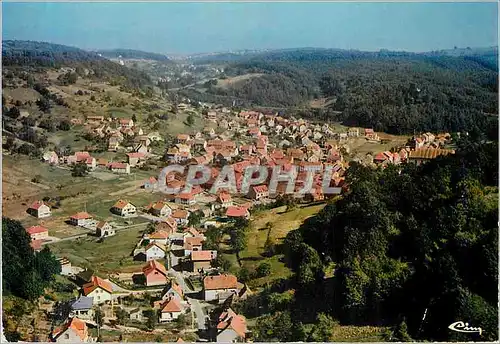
[[404, 242], [133, 54], [392, 92], [29, 54], [24, 273]]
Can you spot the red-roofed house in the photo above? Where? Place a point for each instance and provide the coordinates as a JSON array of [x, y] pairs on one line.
[[160, 208], [258, 192], [224, 199], [235, 212], [201, 260], [181, 217], [38, 232], [98, 289], [170, 310], [73, 331], [192, 244], [119, 167], [219, 287], [182, 138], [39, 209], [135, 158], [231, 327], [154, 273], [80, 219], [123, 208], [126, 123], [185, 198]]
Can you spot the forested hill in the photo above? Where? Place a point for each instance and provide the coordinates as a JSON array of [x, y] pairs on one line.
[[30, 54], [133, 54], [396, 92], [401, 243]]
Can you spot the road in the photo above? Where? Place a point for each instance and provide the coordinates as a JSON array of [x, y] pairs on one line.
[[180, 281], [201, 318], [196, 307]]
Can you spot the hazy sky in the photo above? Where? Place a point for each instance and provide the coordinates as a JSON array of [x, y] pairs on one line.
[[208, 27]]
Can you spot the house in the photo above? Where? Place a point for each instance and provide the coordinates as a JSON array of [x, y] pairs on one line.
[[170, 310], [422, 155], [219, 287], [91, 163], [136, 314], [99, 289], [181, 217], [73, 331], [201, 260], [154, 273], [38, 233], [192, 244], [258, 192], [135, 158], [119, 167], [123, 208], [155, 250], [160, 209], [185, 199], [113, 144], [224, 199], [235, 212], [231, 327], [104, 229], [95, 119], [102, 162], [39, 209], [126, 123], [150, 184], [384, 158], [175, 291], [80, 219], [82, 308], [66, 269], [211, 116], [51, 158], [183, 138], [158, 236]]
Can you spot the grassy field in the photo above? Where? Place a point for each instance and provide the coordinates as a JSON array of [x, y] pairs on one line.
[[282, 222], [110, 256], [225, 83], [358, 334]]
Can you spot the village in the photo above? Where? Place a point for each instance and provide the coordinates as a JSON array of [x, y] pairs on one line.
[[176, 269]]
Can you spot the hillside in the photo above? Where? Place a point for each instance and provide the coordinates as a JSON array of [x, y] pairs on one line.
[[30, 54], [397, 92]]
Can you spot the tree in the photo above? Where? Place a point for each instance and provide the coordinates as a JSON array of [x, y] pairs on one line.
[[181, 321], [238, 241], [151, 318], [79, 170], [323, 329], [27, 149], [134, 118], [13, 112], [190, 120], [121, 316], [264, 269], [47, 265], [64, 125], [98, 319], [44, 104], [196, 217]]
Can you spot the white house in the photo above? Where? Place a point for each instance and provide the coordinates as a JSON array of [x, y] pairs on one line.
[[123, 208], [170, 310], [99, 289], [104, 229], [155, 251], [39, 209], [219, 287], [73, 331]]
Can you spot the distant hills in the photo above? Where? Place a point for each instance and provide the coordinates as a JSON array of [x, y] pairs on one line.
[[132, 54]]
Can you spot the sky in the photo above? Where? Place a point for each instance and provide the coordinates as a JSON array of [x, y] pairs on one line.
[[186, 28]]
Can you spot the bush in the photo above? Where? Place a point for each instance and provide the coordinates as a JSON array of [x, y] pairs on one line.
[[264, 269]]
